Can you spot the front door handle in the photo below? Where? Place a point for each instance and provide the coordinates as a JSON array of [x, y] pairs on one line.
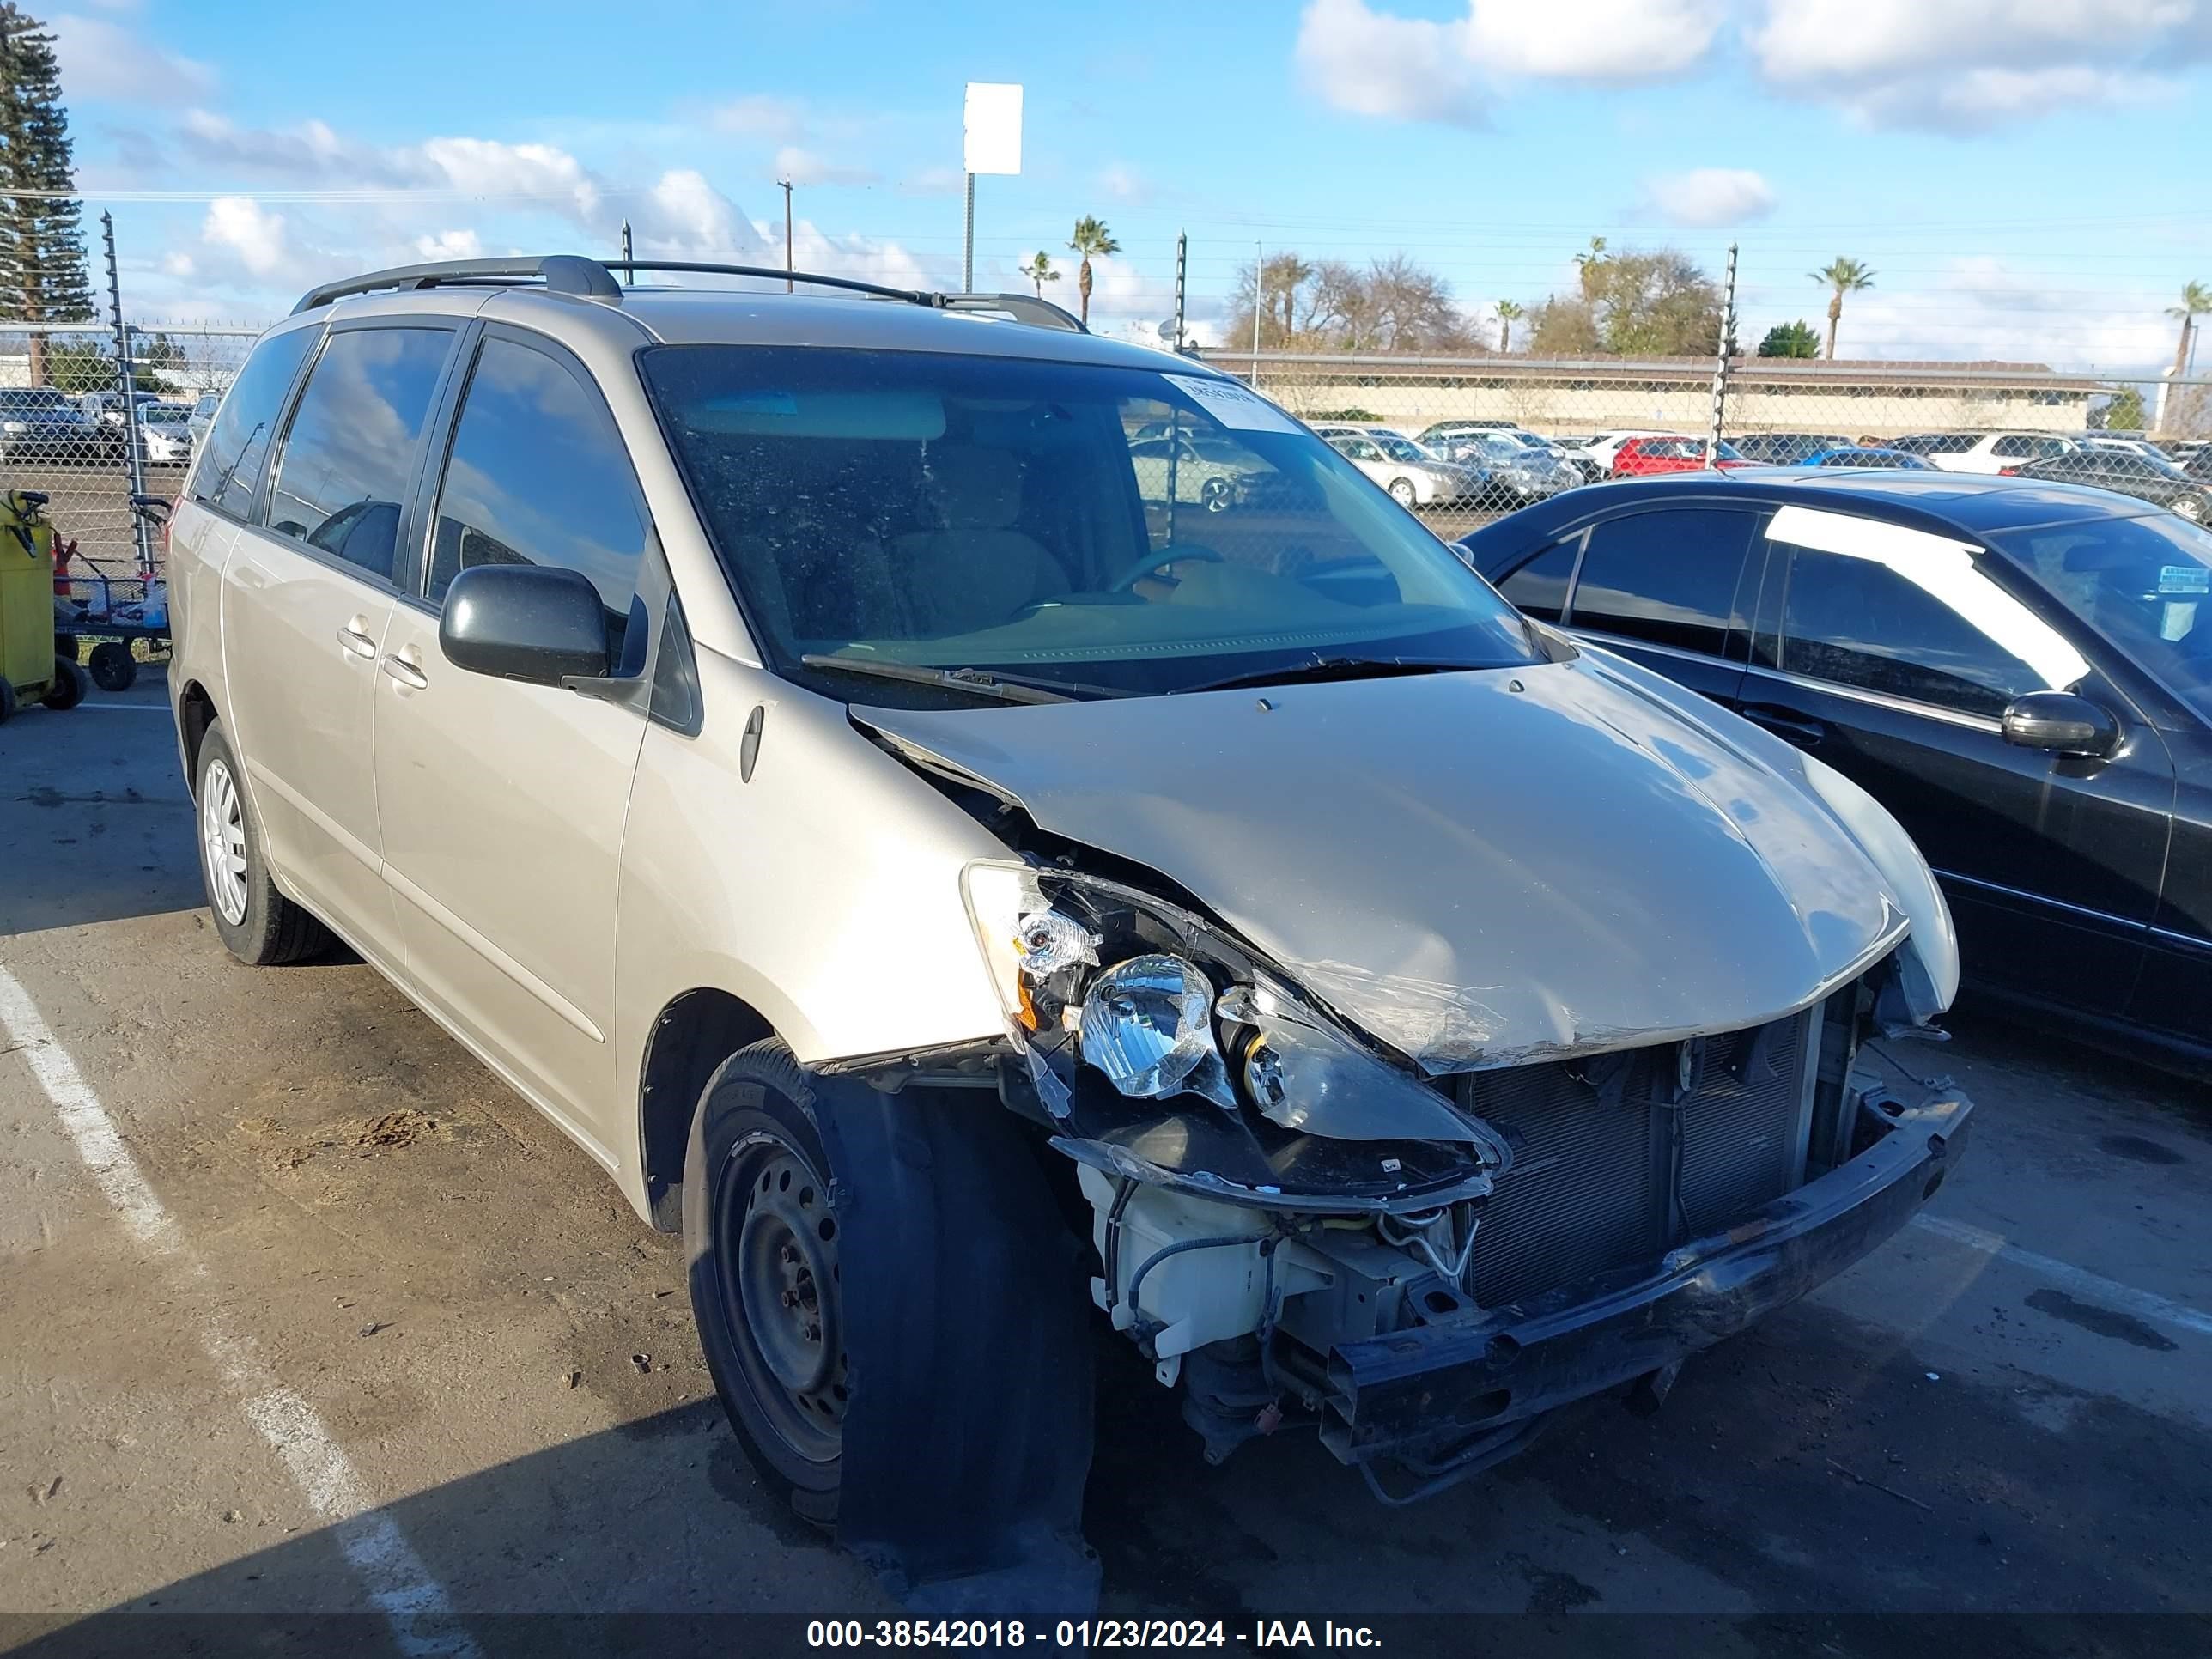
[[397, 665], [1789, 726], [356, 638]]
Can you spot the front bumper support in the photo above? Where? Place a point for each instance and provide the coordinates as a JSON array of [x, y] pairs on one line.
[[1473, 1374]]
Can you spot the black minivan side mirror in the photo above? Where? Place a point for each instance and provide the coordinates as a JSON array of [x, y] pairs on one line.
[[2063, 723], [541, 624]]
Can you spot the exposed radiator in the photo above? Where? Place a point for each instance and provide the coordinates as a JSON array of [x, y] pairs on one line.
[[1596, 1183]]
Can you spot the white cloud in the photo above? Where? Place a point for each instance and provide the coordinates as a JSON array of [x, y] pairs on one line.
[[101, 59], [248, 231], [803, 167], [1373, 61], [1968, 65], [1705, 197], [450, 244]]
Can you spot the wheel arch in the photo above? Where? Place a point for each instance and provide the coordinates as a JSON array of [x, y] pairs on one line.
[[196, 712], [692, 1035]]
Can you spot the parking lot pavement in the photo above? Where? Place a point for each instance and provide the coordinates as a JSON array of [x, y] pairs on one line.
[[303, 1311]]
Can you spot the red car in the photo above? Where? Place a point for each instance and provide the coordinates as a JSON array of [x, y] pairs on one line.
[[1642, 456]]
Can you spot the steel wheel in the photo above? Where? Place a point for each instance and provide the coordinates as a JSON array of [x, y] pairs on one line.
[[781, 1293], [223, 842]]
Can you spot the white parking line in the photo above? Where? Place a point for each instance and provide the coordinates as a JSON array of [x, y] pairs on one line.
[[2108, 1291], [126, 707], [398, 1585]]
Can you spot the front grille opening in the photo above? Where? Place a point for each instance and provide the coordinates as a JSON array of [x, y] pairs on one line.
[[1612, 1173]]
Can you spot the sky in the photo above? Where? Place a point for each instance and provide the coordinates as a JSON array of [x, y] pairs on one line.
[[2025, 177]]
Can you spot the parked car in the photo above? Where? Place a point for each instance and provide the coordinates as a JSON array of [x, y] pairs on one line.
[[1983, 452], [1519, 473], [41, 423], [2020, 670], [940, 858], [1439, 431], [2138, 446], [1639, 457], [1855, 455], [1413, 477], [1786, 448], [165, 437], [1593, 455], [203, 411], [2132, 474], [1201, 470]]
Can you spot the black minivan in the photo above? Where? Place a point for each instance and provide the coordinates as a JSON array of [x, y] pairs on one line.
[[2020, 672]]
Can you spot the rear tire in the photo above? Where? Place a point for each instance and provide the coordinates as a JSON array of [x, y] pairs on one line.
[[113, 667], [761, 1239], [69, 686], [257, 924]]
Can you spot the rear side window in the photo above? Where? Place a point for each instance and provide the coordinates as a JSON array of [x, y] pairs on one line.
[[351, 447], [538, 475], [237, 444], [1539, 588], [1667, 577], [2014, 448]]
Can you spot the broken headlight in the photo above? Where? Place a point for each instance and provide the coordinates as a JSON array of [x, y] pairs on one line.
[[1097, 975]]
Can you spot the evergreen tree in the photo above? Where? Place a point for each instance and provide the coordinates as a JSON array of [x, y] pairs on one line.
[[43, 275]]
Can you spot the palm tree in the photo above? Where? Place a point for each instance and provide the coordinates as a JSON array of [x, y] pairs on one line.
[[1091, 241], [2195, 302], [1039, 271], [1589, 264], [1507, 313], [1842, 278]]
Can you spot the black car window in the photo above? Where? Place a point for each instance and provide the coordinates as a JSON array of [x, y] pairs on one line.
[[1858, 622], [230, 459], [1668, 576], [351, 449], [538, 475], [1539, 588]]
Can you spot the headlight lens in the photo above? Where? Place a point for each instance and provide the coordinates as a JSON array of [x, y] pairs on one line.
[[1148, 1024], [1173, 996]]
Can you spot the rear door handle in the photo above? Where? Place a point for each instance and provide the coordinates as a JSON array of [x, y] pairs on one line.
[[356, 638], [404, 671], [1788, 727]]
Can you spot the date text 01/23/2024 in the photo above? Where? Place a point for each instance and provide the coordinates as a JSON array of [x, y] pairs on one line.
[[926, 1633]]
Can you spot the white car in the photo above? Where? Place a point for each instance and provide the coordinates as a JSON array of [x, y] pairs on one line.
[[1596, 452], [165, 434], [2142, 446], [1983, 452], [1413, 477]]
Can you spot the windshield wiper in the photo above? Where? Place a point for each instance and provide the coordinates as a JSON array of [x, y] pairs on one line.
[[1335, 668], [1004, 687]]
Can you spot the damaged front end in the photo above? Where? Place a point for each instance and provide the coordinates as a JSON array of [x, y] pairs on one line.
[[1297, 1223]]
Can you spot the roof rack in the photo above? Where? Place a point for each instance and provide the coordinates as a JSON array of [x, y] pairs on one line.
[[561, 273], [572, 273]]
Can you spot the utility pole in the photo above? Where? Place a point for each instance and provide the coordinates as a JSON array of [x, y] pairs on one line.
[[968, 240], [1259, 301], [1720, 360], [627, 255], [787, 267], [134, 465]]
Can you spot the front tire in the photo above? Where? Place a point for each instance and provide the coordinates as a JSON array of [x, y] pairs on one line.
[[1402, 492], [113, 667], [69, 686], [761, 1238], [257, 924]]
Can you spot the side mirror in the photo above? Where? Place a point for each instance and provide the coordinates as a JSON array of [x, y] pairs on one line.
[[2062, 723], [537, 623]]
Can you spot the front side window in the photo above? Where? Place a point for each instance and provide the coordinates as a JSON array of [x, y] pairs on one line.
[[1667, 577], [537, 475], [1906, 613], [1539, 588], [351, 447], [230, 460], [938, 510], [2143, 584]]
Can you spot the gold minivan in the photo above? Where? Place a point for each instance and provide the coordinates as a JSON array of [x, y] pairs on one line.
[[973, 887]]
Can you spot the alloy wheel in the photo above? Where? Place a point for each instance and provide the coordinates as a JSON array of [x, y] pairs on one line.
[[223, 842]]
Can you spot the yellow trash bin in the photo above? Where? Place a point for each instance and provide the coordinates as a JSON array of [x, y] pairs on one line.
[[29, 669]]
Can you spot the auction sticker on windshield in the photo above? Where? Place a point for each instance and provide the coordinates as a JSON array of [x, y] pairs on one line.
[[1233, 405]]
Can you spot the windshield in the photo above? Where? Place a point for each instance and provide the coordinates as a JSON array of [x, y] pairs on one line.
[[1401, 449], [2144, 584], [1001, 514]]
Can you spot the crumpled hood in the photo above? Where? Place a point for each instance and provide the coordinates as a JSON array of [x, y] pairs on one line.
[[1479, 869]]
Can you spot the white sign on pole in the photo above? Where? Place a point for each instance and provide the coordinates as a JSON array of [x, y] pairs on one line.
[[993, 129]]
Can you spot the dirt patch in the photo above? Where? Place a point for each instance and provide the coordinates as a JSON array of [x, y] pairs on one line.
[[2102, 1321], [402, 1128]]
